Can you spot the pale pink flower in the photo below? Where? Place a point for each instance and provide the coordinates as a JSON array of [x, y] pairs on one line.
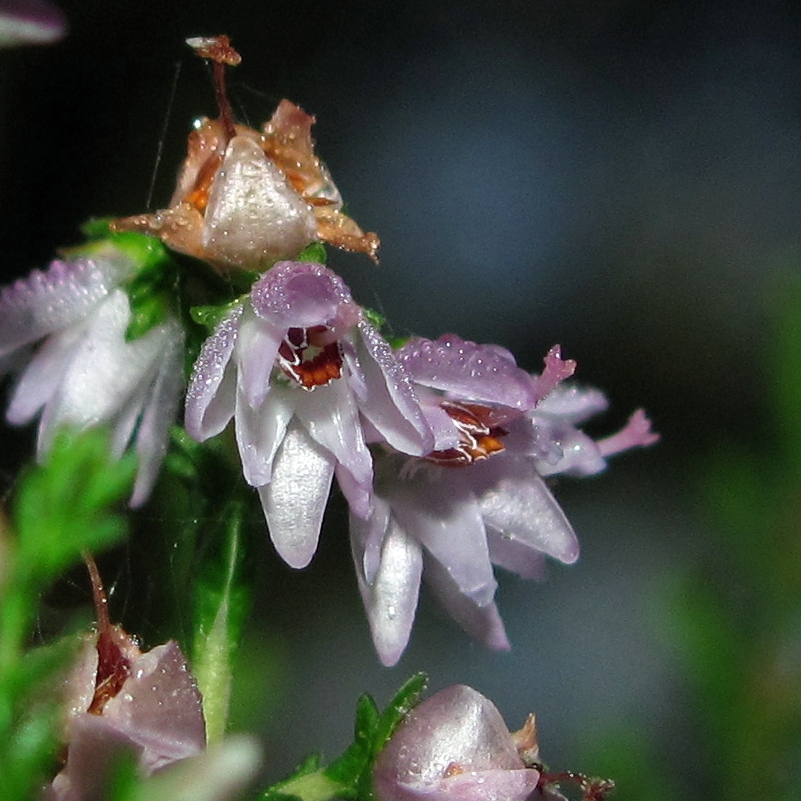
[[30, 22], [453, 746], [63, 331], [146, 705], [304, 375], [478, 499]]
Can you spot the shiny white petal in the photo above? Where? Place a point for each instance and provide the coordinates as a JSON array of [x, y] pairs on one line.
[[254, 216], [519, 506], [331, 417], [210, 397], [104, 373], [40, 379], [483, 623], [160, 410], [390, 403], [295, 498], [256, 349], [453, 746], [436, 506], [61, 296], [391, 599], [259, 432]]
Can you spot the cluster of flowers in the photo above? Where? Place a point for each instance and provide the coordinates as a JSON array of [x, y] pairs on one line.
[[440, 447]]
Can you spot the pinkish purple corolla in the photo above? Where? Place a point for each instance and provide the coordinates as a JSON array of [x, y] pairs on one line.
[[308, 380], [125, 703], [63, 335], [478, 498], [454, 746]]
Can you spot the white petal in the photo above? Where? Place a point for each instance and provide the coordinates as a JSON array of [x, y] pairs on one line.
[[521, 508], [482, 623], [104, 373], [41, 377], [61, 296], [295, 498], [369, 533], [254, 216], [256, 349], [438, 509], [391, 404], [210, 397], [332, 420], [259, 432], [391, 600], [159, 414]]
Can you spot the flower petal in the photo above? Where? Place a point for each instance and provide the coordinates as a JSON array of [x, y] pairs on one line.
[[159, 708], [390, 403], [390, 601], [295, 294], [295, 498], [259, 433], [40, 379], [210, 397], [481, 373], [29, 22], [61, 296], [104, 373], [330, 416], [454, 745], [254, 217], [162, 404], [256, 348], [483, 623], [436, 506], [515, 502]]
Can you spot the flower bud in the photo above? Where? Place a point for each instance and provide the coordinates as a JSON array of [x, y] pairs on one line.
[[454, 746]]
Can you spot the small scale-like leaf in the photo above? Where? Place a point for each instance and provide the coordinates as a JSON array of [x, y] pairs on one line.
[[367, 717], [404, 701], [314, 252]]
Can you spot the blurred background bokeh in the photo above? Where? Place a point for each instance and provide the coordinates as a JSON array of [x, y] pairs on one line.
[[621, 177]]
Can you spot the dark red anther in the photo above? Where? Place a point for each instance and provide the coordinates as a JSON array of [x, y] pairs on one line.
[[307, 360], [478, 439]]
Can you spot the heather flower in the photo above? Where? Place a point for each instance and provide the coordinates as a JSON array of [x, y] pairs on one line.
[[123, 702], [306, 377], [478, 499], [29, 22], [247, 198], [454, 746], [63, 331]]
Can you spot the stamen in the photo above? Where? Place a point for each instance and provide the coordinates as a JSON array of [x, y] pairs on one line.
[[308, 362], [478, 439]]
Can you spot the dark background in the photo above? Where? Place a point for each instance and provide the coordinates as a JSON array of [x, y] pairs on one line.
[[621, 177]]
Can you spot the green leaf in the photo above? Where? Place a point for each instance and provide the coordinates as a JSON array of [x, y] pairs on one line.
[[404, 701], [374, 318], [314, 252], [210, 316], [367, 717]]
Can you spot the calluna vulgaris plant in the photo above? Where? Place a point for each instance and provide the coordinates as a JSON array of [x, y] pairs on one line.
[[440, 448]]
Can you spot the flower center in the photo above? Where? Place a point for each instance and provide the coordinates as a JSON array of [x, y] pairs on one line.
[[308, 359], [478, 439]]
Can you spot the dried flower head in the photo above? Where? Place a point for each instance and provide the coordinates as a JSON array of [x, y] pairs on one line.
[[246, 198]]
